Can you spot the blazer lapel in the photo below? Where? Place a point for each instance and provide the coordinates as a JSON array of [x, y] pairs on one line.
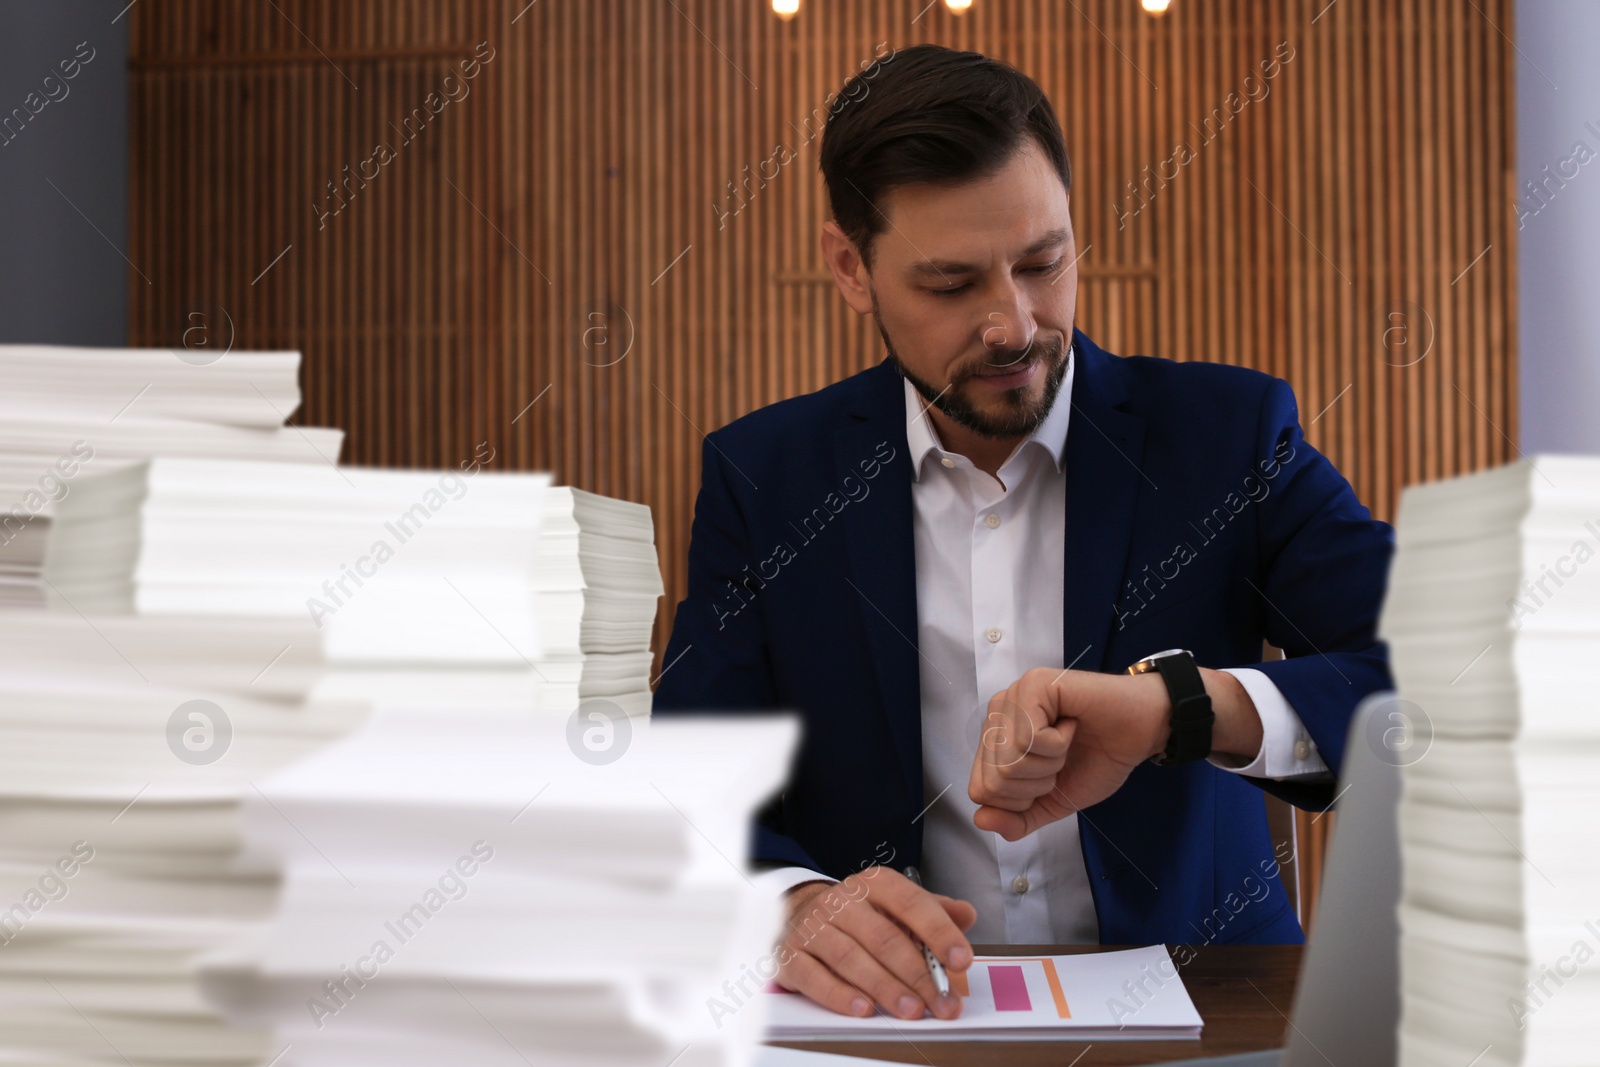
[[883, 567], [1104, 449]]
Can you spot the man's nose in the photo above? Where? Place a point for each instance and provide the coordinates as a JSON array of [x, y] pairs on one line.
[[1009, 328]]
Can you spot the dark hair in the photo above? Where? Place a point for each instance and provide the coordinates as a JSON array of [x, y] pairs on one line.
[[932, 115]]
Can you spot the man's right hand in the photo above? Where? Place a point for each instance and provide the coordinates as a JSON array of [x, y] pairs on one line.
[[850, 945]]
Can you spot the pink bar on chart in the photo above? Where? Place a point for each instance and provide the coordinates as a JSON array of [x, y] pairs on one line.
[[1010, 988]]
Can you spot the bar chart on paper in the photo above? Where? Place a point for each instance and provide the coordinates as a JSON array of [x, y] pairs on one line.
[[1013, 986], [1130, 994]]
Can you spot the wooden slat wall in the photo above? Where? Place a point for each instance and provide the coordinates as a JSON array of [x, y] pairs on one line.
[[562, 214]]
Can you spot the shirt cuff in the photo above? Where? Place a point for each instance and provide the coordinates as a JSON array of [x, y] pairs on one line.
[[1287, 750], [783, 879]]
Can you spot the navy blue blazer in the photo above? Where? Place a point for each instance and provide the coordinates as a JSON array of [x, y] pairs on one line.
[[1197, 516]]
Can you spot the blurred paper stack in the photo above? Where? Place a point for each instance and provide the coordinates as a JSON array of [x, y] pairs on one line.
[[459, 588], [67, 412], [205, 623], [118, 856], [126, 743], [469, 893], [1493, 622]]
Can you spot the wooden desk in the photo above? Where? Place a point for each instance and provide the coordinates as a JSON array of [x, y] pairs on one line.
[[1243, 992]]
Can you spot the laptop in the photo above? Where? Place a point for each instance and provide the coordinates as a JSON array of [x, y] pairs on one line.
[[1347, 1003]]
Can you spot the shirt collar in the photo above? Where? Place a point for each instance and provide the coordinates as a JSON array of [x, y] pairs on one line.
[[922, 438]]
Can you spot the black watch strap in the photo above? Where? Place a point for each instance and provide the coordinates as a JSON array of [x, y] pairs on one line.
[[1192, 714]]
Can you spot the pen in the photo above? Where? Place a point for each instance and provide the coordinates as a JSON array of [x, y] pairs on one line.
[[941, 980]]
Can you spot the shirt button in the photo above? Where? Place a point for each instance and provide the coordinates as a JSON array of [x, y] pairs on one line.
[[1019, 884], [1302, 750], [948, 462], [993, 520], [993, 634]]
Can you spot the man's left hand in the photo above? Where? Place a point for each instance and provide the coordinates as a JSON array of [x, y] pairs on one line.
[[1055, 742]]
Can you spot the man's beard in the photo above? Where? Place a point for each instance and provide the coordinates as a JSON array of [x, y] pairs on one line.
[[1020, 416]]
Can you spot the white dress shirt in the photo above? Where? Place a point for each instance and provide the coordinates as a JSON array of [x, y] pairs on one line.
[[990, 573]]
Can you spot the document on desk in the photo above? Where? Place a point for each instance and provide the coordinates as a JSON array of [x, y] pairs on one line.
[[1132, 994]]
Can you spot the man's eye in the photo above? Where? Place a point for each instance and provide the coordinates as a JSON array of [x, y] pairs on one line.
[[949, 292], [1046, 268]]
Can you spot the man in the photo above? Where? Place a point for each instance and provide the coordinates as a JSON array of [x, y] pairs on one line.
[[946, 564]]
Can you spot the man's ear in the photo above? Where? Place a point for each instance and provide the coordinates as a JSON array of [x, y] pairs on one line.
[[849, 273]]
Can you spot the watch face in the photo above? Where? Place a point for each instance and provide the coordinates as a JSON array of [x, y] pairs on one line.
[[1148, 664]]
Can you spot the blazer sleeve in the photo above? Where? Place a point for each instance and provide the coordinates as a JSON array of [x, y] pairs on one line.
[[716, 660], [1324, 567]]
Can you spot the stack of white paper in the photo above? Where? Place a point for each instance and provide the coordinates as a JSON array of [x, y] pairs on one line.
[[467, 892], [595, 579], [127, 743], [120, 785], [66, 412], [216, 620], [598, 575], [1493, 621], [427, 586], [259, 389]]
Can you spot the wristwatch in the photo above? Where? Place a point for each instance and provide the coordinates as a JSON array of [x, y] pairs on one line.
[[1192, 715]]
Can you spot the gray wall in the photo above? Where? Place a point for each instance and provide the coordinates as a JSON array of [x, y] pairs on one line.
[[64, 172], [1558, 109]]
